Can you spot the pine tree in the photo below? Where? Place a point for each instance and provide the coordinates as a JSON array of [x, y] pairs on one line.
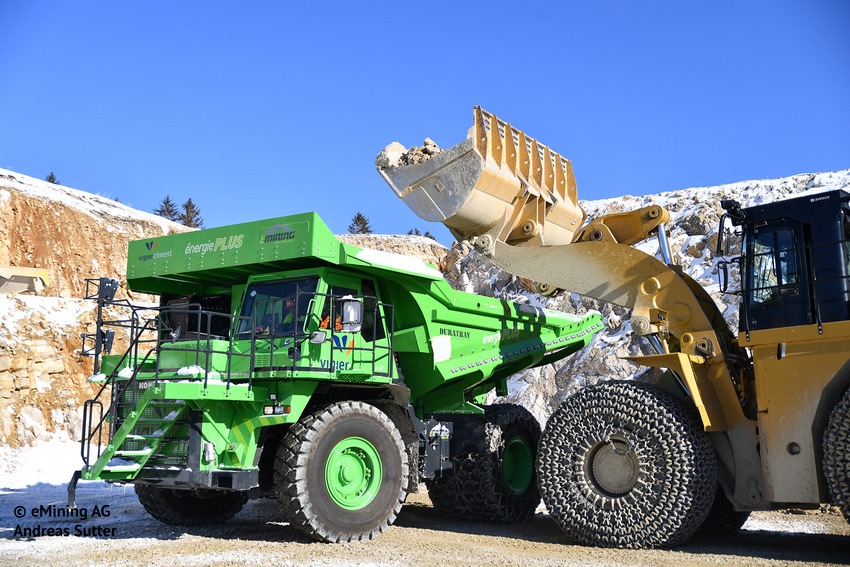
[[415, 232], [51, 178], [359, 225], [167, 209], [191, 215]]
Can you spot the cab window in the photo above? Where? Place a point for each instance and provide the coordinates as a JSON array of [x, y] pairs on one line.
[[773, 264], [275, 308]]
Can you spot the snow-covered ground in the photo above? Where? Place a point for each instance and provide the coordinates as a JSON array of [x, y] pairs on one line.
[[34, 496], [110, 527]]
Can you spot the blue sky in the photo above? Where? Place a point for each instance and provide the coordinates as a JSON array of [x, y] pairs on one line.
[[261, 109]]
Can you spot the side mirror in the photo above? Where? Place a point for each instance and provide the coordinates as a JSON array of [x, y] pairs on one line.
[[352, 314], [723, 273], [107, 289], [318, 337], [721, 227], [108, 337]]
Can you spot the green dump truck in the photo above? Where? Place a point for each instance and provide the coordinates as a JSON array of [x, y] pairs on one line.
[[281, 362]]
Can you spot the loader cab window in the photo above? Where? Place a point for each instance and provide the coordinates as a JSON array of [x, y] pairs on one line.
[[778, 293], [277, 308], [774, 260]]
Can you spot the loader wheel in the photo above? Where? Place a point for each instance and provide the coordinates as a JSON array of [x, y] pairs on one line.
[[499, 482], [190, 507], [625, 464], [836, 455], [723, 519], [341, 473]]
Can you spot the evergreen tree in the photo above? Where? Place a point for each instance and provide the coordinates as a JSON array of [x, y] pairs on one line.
[[51, 178], [167, 209], [415, 232], [359, 225], [191, 215]]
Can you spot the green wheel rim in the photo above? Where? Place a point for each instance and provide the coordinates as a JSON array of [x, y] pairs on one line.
[[517, 465], [353, 473]]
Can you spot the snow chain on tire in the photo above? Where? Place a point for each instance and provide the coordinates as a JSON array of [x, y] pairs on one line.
[[190, 507], [341, 473], [836, 455], [478, 487], [625, 464]]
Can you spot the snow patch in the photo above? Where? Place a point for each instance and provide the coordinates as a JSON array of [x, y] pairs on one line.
[[407, 264]]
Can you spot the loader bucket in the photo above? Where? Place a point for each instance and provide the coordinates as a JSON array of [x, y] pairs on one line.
[[498, 182]]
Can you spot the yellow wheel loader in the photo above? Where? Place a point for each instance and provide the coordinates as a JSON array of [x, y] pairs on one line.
[[757, 420]]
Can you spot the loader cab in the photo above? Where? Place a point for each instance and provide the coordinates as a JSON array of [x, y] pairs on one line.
[[794, 261]]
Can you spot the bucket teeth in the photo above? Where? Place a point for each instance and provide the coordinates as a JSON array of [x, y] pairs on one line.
[[498, 182], [542, 170]]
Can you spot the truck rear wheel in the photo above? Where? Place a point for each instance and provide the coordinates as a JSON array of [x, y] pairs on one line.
[[836, 455], [625, 464], [190, 507], [341, 473], [498, 483]]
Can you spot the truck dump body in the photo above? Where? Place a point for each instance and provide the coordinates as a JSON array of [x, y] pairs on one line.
[[450, 334]]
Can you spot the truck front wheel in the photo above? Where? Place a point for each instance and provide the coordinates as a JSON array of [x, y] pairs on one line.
[[190, 507], [341, 473], [625, 464]]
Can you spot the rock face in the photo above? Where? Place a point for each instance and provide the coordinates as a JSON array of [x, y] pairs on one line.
[[73, 234], [42, 377], [78, 235]]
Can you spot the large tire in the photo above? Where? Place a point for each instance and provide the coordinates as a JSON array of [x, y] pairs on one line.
[[723, 519], [190, 507], [498, 483], [625, 464], [341, 473], [836, 455]]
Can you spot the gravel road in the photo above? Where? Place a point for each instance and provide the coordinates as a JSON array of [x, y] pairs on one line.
[[128, 536]]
